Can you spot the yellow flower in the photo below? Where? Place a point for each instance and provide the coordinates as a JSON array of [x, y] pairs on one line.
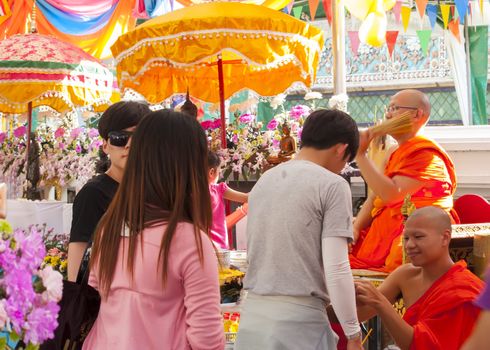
[[55, 261]]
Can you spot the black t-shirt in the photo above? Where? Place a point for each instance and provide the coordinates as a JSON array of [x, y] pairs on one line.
[[90, 204]]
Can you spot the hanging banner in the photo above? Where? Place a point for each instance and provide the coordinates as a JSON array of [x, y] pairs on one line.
[[391, 36], [327, 6], [405, 17], [478, 40], [313, 5], [396, 11], [432, 14], [454, 28], [424, 38], [354, 41], [297, 11], [462, 7], [445, 9], [421, 4]]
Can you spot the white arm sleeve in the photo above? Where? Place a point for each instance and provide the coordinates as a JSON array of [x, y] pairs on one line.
[[340, 283]]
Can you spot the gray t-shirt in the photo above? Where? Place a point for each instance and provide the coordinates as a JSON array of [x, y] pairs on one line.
[[291, 208]]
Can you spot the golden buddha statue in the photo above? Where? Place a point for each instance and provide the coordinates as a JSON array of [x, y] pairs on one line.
[[287, 146]]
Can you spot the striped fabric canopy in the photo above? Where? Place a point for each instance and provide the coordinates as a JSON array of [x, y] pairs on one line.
[[46, 71]]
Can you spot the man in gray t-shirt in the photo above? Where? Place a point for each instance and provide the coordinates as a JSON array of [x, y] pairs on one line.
[[299, 226], [291, 208]]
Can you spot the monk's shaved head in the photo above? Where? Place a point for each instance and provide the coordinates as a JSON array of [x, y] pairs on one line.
[[433, 217], [414, 98]]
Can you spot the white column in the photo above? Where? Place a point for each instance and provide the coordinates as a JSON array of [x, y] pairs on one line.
[[338, 47]]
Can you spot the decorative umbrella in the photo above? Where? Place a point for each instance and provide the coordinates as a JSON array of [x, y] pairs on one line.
[[39, 70], [272, 4], [216, 49]]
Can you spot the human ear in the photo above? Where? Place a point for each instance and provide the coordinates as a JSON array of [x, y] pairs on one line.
[[446, 237], [105, 145], [340, 150]]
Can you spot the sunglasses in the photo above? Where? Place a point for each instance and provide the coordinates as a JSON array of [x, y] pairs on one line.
[[119, 138]]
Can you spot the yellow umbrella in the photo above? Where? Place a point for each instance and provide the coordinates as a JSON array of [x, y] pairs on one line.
[[272, 4], [215, 50]]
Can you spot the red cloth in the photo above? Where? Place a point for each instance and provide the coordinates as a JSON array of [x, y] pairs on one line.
[[379, 246], [445, 315], [337, 328]]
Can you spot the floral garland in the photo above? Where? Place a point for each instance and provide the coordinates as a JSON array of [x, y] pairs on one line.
[[29, 295]]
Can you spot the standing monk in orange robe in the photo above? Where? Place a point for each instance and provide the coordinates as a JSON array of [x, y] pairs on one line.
[[437, 292], [418, 167]]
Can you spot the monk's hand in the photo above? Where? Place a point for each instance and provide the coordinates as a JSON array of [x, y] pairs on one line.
[[365, 138], [355, 234], [367, 294]]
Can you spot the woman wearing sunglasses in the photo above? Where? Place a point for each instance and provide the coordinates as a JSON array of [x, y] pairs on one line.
[[116, 126], [153, 262]]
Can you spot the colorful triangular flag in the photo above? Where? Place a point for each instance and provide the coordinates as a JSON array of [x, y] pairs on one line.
[[290, 6], [297, 11], [462, 7], [424, 38], [445, 9], [327, 6], [432, 13], [354, 41], [405, 16], [454, 28], [421, 4], [391, 36], [313, 5], [396, 10]]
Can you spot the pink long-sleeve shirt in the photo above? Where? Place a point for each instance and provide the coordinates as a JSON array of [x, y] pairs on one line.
[[144, 315]]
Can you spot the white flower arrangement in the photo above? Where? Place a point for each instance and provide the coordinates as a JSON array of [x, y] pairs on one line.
[[339, 102], [313, 95]]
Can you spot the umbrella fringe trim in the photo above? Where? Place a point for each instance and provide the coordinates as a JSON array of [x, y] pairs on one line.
[[306, 42], [155, 62]]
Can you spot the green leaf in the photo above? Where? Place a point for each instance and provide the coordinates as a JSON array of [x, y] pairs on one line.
[[31, 346], [14, 337]]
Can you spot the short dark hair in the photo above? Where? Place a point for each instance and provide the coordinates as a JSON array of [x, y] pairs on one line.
[[325, 128], [213, 160], [122, 115]]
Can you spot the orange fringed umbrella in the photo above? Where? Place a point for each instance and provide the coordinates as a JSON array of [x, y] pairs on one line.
[[272, 4], [215, 50]]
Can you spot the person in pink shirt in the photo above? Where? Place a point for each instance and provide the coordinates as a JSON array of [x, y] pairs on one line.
[[153, 262], [219, 192]]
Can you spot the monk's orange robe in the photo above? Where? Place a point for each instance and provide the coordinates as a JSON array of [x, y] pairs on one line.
[[444, 316], [379, 246]]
